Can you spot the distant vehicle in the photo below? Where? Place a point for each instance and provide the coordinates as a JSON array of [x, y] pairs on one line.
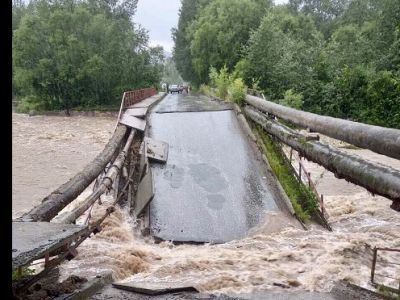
[[174, 88]]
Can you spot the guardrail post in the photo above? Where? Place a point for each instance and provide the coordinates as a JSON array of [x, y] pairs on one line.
[[322, 205], [120, 109], [300, 170], [373, 265]]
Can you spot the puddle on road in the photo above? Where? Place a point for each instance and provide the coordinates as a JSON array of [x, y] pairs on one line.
[[301, 260], [175, 176], [208, 177], [216, 201]]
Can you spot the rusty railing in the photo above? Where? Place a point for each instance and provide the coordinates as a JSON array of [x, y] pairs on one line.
[[393, 263], [132, 97]]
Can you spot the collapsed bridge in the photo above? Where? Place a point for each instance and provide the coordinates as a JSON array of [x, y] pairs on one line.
[[122, 163]]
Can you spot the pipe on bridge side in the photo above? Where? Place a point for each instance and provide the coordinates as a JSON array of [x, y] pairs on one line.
[[381, 140], [106, 184], [377, 179], [69, 191]]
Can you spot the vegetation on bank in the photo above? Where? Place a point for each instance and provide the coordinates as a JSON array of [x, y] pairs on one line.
[[79, 53], [389, 293], [226, 87], [25, 272], [304, 201], [338, 58]]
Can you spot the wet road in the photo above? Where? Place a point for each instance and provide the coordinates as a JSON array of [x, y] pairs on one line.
[[212, 188]]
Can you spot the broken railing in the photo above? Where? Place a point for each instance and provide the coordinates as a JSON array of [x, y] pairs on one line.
[[105, 170], [376, 178], [376, 260], [132, 97]]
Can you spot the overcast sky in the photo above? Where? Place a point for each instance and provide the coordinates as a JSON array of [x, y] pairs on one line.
[[159, 16]]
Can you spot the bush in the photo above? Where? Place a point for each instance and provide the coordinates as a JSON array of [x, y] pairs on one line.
[[221, 81], [237, 90], [292, 99], [213, 74], [205, 89], [25, 271], [30, 103], [304, 202]]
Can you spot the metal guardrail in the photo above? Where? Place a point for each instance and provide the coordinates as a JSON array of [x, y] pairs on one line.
[[132, 97], [373, 268], [311, 185]]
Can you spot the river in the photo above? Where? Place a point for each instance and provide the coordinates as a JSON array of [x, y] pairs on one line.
[[48, 150]]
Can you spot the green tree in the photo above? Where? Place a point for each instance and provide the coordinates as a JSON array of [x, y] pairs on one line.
[[292, 99], [70, 53], [181, 53], [170, 73], [220, 32], [325, 13], [282, 52]]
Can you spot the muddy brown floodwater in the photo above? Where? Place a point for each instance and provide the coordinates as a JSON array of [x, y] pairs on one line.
[[47, 151]]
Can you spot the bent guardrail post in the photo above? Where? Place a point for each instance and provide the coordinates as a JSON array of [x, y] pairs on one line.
[[381, 140], [378, 179]]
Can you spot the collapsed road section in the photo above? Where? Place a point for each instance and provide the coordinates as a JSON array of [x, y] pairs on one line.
[[214, 186]]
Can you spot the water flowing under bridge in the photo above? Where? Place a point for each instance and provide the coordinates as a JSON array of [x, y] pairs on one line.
[[191, 169]]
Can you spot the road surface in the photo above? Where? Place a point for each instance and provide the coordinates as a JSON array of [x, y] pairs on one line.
[[214, 187]]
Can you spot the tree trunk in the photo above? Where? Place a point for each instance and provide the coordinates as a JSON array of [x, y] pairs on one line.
[[381, 140], [106, 183], [69, 191], [377, 179]]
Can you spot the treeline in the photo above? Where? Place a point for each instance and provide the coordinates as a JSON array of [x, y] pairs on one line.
[[171, 74], [333, 57], [79, 53]]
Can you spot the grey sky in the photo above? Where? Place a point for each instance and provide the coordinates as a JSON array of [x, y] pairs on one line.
[[159, 17]]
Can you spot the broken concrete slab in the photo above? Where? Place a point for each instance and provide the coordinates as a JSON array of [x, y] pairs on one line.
[[88, 289], [155, 288], [109, 292], [133, 122], [32, 240], [144, 193], [156, 150], [139, 112], [144, 162]]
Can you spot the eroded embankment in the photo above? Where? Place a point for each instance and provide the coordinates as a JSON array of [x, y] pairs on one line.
[[301, 260]]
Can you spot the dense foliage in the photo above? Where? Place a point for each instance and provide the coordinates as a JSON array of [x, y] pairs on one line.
[[170, 73], [69, 53], [332, 57]]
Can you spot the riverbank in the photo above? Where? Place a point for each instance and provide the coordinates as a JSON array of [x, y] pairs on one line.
[[75, 113]]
